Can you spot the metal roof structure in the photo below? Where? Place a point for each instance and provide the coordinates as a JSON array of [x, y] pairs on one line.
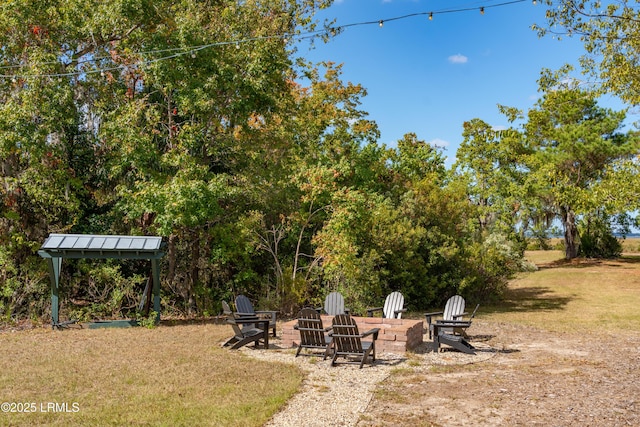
[[59, 246], [101, 246]]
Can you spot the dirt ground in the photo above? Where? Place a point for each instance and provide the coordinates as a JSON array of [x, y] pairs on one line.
[[520, 377]]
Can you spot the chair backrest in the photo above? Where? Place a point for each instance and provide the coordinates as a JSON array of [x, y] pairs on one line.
[[474, 312], [454, 308], [310, 327], [334, 304], [226, 310], [393, 303], [236, 328], [243, 305], [346, 336]]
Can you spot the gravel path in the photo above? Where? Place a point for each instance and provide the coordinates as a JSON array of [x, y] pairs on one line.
[[339, 395], [520, 376]]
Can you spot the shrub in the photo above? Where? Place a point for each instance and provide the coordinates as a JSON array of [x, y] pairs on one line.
[[597, 239]]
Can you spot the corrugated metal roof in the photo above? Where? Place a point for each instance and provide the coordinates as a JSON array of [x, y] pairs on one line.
[[90, 245]]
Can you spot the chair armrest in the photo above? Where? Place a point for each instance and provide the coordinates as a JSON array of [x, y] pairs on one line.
[[454, 323], [396, 312], [435, 313], [373, 332], [371, 310], [271, 313], [244, 321], [244, 315], [430, 315], [247, 316]]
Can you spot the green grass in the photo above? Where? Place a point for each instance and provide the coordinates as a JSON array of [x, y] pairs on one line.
[[167, 376]]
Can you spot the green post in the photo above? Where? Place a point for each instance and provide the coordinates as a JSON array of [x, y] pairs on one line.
[[155, 268], [54, 265]]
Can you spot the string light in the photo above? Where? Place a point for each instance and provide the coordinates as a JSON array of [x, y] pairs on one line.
[[191, 50]]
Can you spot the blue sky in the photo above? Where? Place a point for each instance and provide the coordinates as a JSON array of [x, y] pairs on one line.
[[429, 76]]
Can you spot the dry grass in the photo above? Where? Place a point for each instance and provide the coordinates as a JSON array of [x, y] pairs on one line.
[[179, 375], [580, 295], [170, 375]]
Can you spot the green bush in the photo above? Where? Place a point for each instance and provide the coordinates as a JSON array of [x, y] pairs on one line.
[[597, 239]]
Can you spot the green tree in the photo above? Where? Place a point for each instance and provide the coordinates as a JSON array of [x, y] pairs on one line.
[[609, 31], [574, 145], [486, 164], [139, 116]]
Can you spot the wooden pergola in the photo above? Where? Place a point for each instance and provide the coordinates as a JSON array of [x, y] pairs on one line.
[[74, 246]]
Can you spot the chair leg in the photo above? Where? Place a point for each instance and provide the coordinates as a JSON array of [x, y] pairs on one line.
[[327, 351], [333, 360]]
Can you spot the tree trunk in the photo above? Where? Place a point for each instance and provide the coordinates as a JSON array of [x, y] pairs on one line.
[[171, 255], [571, 239], [195, 271]]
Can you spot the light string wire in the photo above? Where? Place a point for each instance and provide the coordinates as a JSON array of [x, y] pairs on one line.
[[191, 50]]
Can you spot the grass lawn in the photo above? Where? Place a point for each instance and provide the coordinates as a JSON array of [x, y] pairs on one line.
[[179, 376], [581, 295], [167, 376]]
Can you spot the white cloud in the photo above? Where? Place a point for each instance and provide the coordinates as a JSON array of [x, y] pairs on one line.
[[458, 59], [439, 143]]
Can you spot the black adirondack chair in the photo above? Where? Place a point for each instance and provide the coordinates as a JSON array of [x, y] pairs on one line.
[[453, 311], [348, 341], [313, 336], [244, 308], [442, 336], [251, 334]]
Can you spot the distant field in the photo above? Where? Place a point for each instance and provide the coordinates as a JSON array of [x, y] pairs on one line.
[[629, 244]]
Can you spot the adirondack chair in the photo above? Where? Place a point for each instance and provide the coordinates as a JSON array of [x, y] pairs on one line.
[[393, 307], [245, 308], [334, 304], [442, 336], [348, 343], [312, 333], [453, 310], [243, 336], [226, 311]]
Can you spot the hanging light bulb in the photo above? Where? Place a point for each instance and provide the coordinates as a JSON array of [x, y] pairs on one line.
[[381, 23], [193, 54], [534, 2], [430, 16], [238, 45], [482, 11]]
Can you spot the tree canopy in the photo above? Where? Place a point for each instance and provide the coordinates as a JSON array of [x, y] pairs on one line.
[[198, 121]]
